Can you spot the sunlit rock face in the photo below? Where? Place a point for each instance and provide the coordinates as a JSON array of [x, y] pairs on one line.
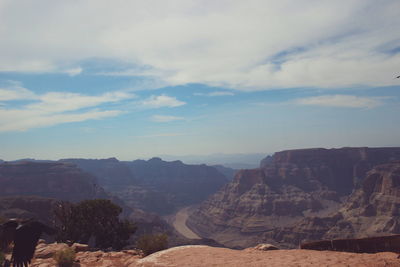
[[295, 195], [374, 207]]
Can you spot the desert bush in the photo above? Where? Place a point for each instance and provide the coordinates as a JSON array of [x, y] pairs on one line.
[[152, 243], [65, 257]]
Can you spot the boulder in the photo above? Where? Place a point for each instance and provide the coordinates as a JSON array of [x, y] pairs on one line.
[[265, 247]]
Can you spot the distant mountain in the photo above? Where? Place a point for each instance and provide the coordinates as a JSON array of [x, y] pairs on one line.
[[52, 180], [171, 185], [110, 173], [297, 195], [154, 185], [234, 161], [228, 172]]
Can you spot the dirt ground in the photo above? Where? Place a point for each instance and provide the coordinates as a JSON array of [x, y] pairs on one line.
[[194, 256]]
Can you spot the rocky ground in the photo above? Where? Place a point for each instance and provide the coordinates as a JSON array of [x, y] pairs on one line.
[[210, 256]]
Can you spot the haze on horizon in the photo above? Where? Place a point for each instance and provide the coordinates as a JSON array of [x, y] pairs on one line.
[[136, 79]]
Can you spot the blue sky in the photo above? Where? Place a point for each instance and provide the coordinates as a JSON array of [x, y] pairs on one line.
[[130, 79]]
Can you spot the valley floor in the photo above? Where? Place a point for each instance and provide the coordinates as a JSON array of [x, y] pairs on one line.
[[178, 221]]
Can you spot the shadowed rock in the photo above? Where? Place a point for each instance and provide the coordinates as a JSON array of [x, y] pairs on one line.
[[360, 245]]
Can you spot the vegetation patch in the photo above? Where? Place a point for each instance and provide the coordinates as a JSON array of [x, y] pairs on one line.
[[152, 243], [2, 258], [96, 220], [65, 257]]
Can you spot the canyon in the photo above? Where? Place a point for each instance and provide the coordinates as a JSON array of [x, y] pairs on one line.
[[306, 194], [294, 196], [154, 185]]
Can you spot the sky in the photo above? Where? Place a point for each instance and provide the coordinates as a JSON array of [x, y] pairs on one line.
[[136, 79]]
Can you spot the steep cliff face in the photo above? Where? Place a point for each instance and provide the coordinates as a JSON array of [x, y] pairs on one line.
[[165, 186], [372, 209], [110, 173], [53, 180], [27, 207], [154, 185], [375, 206], [271, 203]]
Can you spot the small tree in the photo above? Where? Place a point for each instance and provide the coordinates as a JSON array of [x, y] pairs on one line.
[[97, 219]]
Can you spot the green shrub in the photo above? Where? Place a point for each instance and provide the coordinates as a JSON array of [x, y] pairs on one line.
[[152, 243], [65, 257]]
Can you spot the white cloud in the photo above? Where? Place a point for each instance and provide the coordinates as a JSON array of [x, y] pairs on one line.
[[245, 45], [165, 118], [22, 120], [74, 71], [64, 101], [53, 108], [216, 93], [348, 101], [161, 101], [15, 92]]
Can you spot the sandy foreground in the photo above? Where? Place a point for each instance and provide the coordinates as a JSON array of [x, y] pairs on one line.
[[205, 256], [208, 256]]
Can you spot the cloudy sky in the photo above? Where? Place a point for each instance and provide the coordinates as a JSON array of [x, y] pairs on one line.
[[135, 79]]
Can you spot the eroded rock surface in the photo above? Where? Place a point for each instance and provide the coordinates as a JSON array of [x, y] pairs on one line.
[[154, 185], [48, 179], [298, 194]]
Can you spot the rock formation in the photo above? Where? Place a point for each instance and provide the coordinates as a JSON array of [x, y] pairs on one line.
[[110, 173], [174, 184], [26, 207], [357, 245], [50, 179], [297, 196], [373, 208], [154, 185], [228, 172]]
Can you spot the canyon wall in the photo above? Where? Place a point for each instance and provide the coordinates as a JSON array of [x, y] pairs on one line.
[[298, 194]]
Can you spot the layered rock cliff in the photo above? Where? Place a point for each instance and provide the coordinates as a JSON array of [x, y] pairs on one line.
[[26, 207], [374, 208], [110, 173], [295, 196], [173, 184], [154, 185], [50, 179]]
